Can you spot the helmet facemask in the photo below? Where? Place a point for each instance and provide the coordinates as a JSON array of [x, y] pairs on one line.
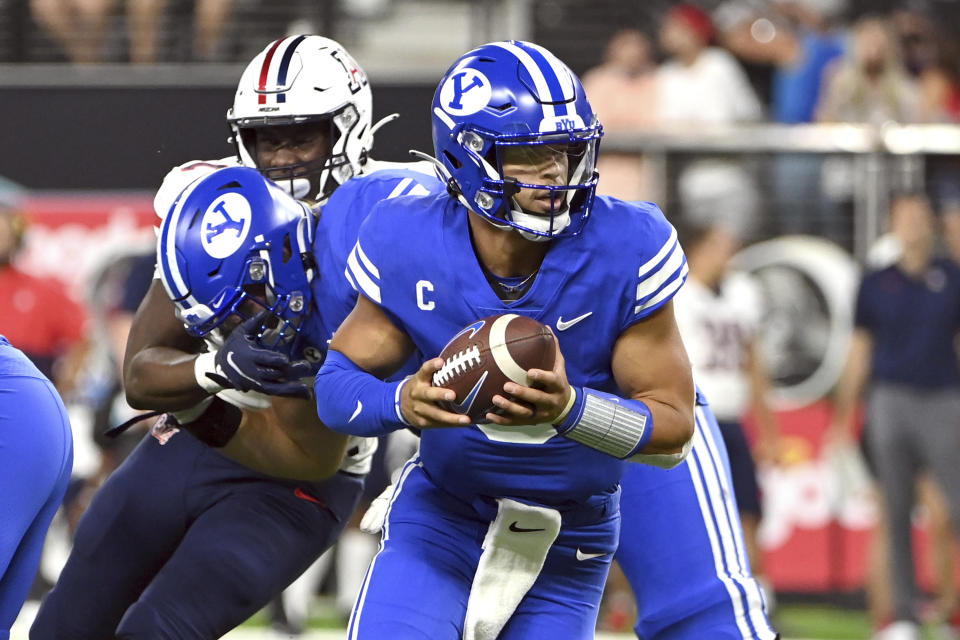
[[314, 179], [540, 184]]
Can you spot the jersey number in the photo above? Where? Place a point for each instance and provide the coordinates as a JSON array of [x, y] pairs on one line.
[[424, 286]]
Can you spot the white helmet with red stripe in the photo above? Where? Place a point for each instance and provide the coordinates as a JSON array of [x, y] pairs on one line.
[[298, 80]]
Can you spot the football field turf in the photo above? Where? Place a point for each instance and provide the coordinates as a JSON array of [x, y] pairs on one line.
[[795, 622]]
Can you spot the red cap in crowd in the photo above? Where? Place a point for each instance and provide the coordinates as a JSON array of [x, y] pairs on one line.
[[695, 18]]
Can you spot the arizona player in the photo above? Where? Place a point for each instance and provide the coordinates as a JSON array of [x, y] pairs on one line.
[[166, 369], [508, 528]]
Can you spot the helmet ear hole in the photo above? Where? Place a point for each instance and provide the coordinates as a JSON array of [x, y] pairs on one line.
[[452, 160]]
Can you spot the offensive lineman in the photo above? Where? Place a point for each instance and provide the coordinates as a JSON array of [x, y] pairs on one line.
[[235, 531]]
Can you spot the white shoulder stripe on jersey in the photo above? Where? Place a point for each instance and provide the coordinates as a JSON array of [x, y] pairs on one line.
[[655, 260], [665, 293], [418, 190], [539, 81], [399, 189], [354, 625], [719, 513], [346, 273], [366, 261], [650, 283], [363, 281]]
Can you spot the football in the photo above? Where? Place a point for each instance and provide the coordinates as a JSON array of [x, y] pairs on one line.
[[481, 358]]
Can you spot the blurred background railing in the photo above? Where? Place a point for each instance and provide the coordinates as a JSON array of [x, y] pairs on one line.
[[852, 171]]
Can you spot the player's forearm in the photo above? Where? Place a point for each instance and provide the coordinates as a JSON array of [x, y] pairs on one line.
[[354, 402], [673, 420], [645, 430], [162, 378]]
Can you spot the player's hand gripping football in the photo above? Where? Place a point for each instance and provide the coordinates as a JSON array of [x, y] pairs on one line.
[[424, 405], [540, 403], [246, 366]]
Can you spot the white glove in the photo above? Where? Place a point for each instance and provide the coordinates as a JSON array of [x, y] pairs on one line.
[[376, 514]]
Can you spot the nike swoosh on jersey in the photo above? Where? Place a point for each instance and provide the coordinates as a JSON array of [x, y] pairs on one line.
[[581, 556], [356, 411], [464, 407], [518, 529], [563, 325]]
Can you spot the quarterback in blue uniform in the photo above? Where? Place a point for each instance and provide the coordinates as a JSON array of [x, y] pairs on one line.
[[236, 491], [506, 529], [36, 457]]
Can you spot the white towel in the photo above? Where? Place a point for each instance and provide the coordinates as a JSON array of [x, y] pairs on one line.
[[514, 551]]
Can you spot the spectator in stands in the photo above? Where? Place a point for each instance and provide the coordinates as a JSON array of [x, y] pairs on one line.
[[940, 103], [620, 91], [870, 85], [82, 27], [702, 86], [37, 315], [209, 20], [907, 317], [799, 41]]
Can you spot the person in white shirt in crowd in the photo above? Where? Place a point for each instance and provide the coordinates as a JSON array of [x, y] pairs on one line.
[[703, 87]]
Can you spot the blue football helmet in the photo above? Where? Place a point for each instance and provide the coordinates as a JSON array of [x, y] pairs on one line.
[[235, 243], [515, 100]]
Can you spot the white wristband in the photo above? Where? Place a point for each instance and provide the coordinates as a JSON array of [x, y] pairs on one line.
[[566, 410], [206, 362]]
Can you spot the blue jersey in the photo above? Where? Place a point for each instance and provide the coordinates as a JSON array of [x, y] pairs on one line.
[[14, 363], [415, 259], [36, 457], [340, 219]]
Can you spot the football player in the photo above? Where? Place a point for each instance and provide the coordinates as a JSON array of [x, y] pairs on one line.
[[35, 463], [236, 529], [508, 528]]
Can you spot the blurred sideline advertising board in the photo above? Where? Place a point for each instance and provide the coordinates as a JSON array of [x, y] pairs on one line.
[[71, 235], [819, 513], [818, 520]]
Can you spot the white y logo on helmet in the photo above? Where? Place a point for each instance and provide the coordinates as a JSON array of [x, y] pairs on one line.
[[464, 92], [225, 225]]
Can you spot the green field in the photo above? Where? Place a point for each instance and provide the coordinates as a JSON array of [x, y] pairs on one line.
[[794, 621]]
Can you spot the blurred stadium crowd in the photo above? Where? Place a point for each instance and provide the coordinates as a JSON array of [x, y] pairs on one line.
[[758, 120]]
